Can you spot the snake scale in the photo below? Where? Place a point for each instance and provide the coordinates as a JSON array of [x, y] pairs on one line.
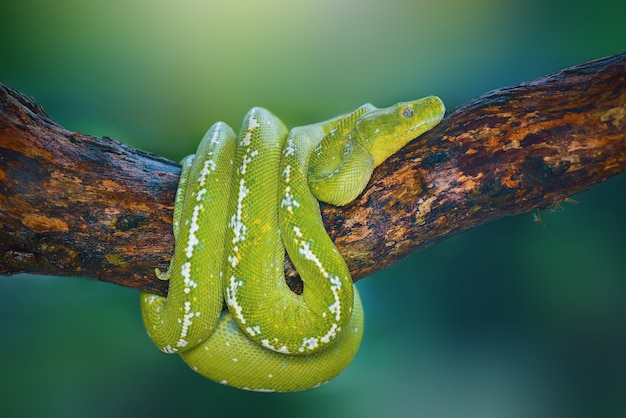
[[242, 201]]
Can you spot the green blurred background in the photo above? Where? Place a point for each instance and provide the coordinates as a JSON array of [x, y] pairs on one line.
[[512, 319]]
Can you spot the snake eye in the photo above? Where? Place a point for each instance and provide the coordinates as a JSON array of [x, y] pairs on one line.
[[407, 112]]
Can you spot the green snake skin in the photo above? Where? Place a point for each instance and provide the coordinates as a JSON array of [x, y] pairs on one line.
[[242, 201]]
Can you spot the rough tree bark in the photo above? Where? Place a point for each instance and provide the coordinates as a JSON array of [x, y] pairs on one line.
[[72, 204]]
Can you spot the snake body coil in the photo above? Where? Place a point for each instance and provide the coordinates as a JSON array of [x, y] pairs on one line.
[[242, 201]]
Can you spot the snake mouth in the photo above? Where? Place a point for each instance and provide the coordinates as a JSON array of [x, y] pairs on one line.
[[426, 124]]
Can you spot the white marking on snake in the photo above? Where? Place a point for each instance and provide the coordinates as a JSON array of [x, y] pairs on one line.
[[289, 150], [207, 168], [169, 350], [252, 124], [265, 343], [305, 250], [185, 271], [246, 139], [261, 390], [331, 334], [189, 284], [335, 287], [201, 193], [287, 173], [193, 240], [244, 164], [187, 322], [308, 344], [236, 223], [231, 298], [289, 201], [252, 331], [215, 136]]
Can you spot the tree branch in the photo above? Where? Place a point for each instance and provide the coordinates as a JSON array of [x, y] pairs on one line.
[[72, 204]]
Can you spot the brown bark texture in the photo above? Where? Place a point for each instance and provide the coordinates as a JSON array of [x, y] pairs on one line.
[[73, 204]]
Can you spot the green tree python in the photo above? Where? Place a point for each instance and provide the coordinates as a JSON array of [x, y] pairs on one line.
[[242, 201]]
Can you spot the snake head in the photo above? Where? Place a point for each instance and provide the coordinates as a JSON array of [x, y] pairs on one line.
[[384, 131]]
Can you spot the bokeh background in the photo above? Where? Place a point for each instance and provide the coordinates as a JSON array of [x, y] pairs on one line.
[[512, 319]]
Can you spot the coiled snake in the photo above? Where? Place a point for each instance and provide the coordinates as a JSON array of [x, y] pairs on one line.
[[242, 201]]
